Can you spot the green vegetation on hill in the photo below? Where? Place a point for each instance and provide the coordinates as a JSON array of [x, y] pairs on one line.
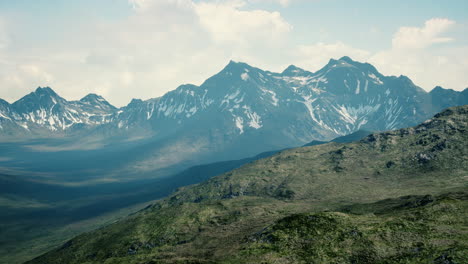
[[412, 229], [322, 204]]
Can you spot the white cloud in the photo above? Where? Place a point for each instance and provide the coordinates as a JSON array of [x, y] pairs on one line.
[[415, 54], [283, 3], [430, 33], [227, 23]]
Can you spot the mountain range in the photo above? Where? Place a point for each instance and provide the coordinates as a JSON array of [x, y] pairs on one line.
[[392, 197], [238, 107]]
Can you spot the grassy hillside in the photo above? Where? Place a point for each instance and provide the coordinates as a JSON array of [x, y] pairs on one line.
[[38, 217], [411, 229], [306, 205]]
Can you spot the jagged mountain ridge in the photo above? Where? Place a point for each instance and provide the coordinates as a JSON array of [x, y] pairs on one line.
[[339, 99], [44, 111]]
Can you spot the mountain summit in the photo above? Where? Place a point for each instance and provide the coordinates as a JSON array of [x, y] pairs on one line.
[[293, 70]]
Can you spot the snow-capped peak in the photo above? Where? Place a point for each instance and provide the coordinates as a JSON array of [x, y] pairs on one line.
[[293, 70], [92, 98]]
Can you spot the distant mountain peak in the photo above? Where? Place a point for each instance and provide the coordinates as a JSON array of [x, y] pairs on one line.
[[96, 100], [346, 59], [406, 79], [233, 63], [92, 98], [235, 66], [42, 95], [346, 62], [45, 90], [293, 70], [135, 102], [234, 71], [440, 88]]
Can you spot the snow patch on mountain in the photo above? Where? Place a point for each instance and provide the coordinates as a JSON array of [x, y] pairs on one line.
[[319, 79], [24, 125], [393, 112], [274, 98], [150, 111], [4, 116], [232, 97], [192, 111], [356, 116], [239, 124], [358, 87], [255, 120], [244, 76], [308, 104], [346, 84], [297, 80], [375, 79], [345, 115]]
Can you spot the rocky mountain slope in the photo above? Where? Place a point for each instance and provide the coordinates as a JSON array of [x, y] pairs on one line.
[[309, 205]]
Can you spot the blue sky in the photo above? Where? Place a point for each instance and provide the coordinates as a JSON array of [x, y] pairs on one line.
[[125, 49]]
